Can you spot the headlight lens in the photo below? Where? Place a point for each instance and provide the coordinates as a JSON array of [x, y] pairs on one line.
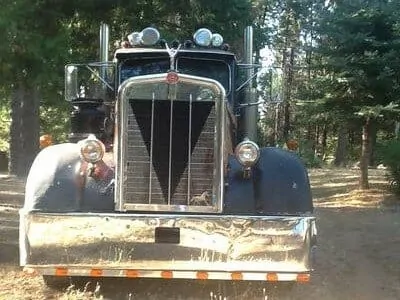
[[92, 149], [247, 153], [202, 37]]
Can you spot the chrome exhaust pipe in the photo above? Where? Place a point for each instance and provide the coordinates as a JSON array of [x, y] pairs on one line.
[[251, 112], [104, 42]]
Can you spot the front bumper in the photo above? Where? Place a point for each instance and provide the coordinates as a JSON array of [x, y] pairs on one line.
[[168, 246]]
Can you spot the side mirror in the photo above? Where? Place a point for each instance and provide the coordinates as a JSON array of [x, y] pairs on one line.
[[71, 83]]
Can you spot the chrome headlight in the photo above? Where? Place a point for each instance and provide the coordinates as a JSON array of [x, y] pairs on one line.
[[202, 37], [92, 149], [247, 153]]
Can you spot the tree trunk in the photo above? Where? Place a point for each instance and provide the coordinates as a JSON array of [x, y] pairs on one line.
[[372, 144], [323, 140], [365, 154], [24, 129], [276, 125], [342, 145], [286, 121], [310, 137], [316, 145]]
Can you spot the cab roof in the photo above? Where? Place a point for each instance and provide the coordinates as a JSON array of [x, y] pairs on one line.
[[124, 52]]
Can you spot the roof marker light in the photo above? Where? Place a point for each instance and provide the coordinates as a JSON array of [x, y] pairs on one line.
[[217, 40], [150, 36], [202, 37], [135, 38]]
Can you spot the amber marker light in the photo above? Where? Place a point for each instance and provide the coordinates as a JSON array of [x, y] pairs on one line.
[[132, 273], [45, 140], [166, 274], [237, 276], [202, 275], [61, 272], [303, 277], [96, 273], [272, 277]]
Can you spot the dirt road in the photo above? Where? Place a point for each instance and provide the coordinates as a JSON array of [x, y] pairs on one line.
[[358, 255]]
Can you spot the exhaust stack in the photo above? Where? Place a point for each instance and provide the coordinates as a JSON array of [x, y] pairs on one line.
[[251, 112], [104, 42]]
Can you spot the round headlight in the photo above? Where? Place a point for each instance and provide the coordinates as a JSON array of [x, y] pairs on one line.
[[92, 149], [217, 40], [247, 153], [150, 36], [135, 38], [202, 37]]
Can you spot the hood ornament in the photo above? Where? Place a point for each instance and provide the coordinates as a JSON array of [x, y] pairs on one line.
[[172, 52]]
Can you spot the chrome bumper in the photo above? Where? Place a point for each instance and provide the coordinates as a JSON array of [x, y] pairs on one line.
[[152, 245]]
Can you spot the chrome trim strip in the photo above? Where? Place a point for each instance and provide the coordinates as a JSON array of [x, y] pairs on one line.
[[189, 149], [170, 149], [151, 145]]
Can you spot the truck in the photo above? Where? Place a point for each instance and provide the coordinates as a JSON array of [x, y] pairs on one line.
[[162, 176]]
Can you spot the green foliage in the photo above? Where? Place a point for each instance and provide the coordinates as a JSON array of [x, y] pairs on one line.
[[391, 158], [307, 154], [55, 121], [4, 128], [361, 46]]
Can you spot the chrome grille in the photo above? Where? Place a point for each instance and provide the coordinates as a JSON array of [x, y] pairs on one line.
[[170, 162]]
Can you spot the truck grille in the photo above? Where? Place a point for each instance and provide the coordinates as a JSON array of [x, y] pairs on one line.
[[171, 162]]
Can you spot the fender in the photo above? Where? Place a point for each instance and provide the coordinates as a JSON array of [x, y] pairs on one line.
[[279, 184], [239, 195], [55, 183]]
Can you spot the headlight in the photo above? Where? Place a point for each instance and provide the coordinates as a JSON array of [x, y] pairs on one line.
[[92, 149], [202, 37], [247, 153]]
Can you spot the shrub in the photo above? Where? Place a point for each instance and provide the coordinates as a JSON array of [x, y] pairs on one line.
[[307, 154], [390, 155]]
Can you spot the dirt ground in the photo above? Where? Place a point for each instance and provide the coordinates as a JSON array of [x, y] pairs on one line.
[[358, 251]]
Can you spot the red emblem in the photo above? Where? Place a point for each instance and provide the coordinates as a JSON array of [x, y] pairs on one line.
[[172, 78]]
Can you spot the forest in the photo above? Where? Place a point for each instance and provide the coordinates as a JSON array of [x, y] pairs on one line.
[[329, 74]]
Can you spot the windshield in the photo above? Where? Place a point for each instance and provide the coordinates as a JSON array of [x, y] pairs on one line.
[[213, 69]]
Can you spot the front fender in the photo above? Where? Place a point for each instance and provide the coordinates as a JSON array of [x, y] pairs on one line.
[[54, 183], [281, 182], [278, 184]]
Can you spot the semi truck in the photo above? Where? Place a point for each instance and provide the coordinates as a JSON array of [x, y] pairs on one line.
[[162, 176]]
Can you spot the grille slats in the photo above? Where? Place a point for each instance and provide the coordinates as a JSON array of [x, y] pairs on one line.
[[137, 166]]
